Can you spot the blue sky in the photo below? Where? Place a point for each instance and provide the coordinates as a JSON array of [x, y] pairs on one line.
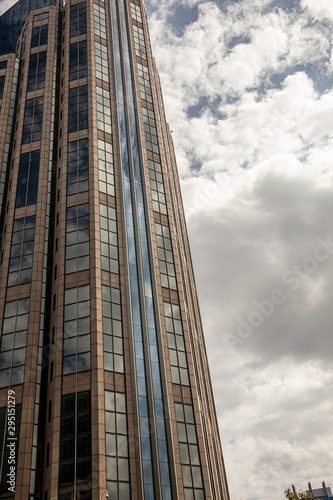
[[248, 93]]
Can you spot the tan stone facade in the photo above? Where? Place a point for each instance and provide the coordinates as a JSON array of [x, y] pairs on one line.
[[116, 396]]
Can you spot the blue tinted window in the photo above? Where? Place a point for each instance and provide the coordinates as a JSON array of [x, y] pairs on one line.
[[77, 238], [39, 35], [78, 109], [37, 68], [21, 251], [76, 346], [33, 118], [14, 342], [77, 167], [12, 22], [75, 445], [78, 19], [3, 64], [78, 60], [27, 184], [2, 84]]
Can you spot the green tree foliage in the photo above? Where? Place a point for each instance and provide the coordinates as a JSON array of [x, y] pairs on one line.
[[299, 495]]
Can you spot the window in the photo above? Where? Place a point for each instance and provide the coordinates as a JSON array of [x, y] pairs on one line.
[[2, 84], [99, 21], [78, 19], [112, 330], [109, 239], [78, 109], [77, 238], [76, 348], [105, 167], [39, 35], [48, 454], [103, 110], [33, 118], [144, 83], [116, 437], [176, 344], [5, 451], [27, 182], [189, 452], [3, 64], [40, 17], [157, 187], [136, 12], [139, 42], [165, 257], [77, 167], [150, 130], [14, 342], [37, 69], [21, 252], [75, 446], [78, 60], [101, 62]]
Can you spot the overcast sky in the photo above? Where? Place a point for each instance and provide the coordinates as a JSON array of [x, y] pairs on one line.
[[248, 89]]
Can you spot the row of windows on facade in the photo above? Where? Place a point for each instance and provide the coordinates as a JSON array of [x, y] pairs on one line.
[[76, 343], [75, 446], [75, 457], [76, 336], [77, 237], [11, 113], [78, 120]]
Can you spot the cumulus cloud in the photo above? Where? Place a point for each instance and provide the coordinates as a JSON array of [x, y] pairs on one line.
[[248, 93], [5, 5]]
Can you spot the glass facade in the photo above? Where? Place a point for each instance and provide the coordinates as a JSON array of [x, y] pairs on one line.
[[189, 452], [78, 109], [105, 167], [2, 84], [37, 68], [112, 330], [21, 252], [77, 167], [33, 120], [78, 19], [78, 60], [77, 238], [109, 239], [75, 448], [27, 183], [12, 22], [14, 342], [39, 35], [117, 464], [76, 347]]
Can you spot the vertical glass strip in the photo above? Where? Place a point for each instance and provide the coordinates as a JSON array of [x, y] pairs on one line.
[[8, 132], [154, 367], [147, 467], [38, 430]]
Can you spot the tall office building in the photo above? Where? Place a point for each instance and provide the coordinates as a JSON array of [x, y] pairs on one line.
[[101, 337]]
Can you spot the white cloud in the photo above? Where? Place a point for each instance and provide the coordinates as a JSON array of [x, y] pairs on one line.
[[261, 140], [5, 5], [319, 9]]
